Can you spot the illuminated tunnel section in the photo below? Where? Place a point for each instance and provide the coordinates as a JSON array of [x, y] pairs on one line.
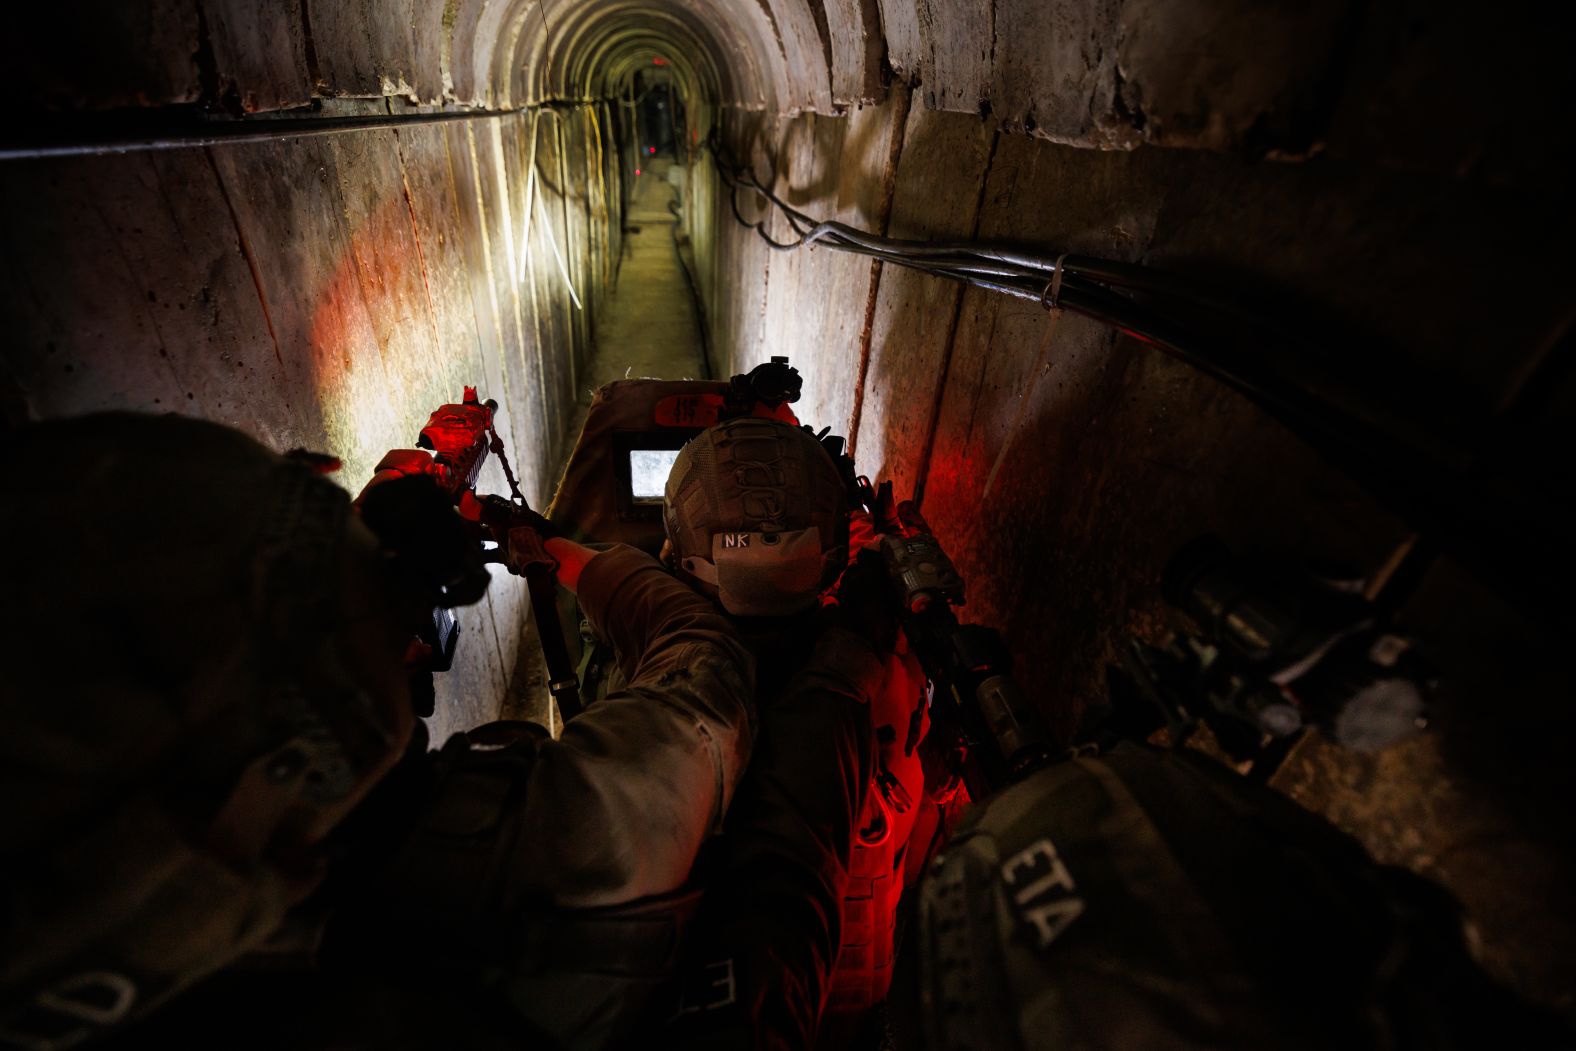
[[317, 221], [328, 289]]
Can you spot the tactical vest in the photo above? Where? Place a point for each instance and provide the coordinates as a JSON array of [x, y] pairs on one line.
[[446, 910], [1143, 899]]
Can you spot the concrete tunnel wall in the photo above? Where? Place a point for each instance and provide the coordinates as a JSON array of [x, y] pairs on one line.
[[323, 291], [1330, 160], [1385, 171], [1327, 160]]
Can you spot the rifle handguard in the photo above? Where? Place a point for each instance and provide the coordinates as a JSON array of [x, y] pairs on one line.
[[921, 572], [969, 660]]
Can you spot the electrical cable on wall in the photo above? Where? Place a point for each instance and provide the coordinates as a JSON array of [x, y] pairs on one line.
[[1086, 285], [1426, 476]]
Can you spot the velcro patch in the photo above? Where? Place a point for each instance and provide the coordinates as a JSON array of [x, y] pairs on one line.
[[1042, 892]]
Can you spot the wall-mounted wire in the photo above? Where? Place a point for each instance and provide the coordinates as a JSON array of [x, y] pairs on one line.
[[1425, 477]]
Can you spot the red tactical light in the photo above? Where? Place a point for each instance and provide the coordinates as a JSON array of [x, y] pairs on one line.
[[651, 149], [637, 171]]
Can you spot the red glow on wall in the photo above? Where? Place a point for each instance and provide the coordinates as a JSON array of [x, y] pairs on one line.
[[657, 60], [371, 333]]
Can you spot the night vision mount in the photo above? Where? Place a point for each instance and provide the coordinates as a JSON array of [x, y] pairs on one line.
[[772, 384]]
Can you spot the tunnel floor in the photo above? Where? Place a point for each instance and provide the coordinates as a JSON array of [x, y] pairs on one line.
[[647, 329]]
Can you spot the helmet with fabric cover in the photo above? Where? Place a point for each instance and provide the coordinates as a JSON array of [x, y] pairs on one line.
[[757, 515], [203, 677]]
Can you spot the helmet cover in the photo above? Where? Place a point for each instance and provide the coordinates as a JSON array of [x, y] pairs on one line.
[[757, 514], [202, 683]]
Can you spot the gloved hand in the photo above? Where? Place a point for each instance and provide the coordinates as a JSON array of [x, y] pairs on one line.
[[500, 515], [524, 550], [520, 533]]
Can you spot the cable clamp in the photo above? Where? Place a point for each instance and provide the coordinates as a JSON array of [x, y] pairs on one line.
[[1048, 298]]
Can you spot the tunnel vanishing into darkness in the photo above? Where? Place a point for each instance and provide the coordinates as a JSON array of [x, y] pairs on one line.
[[318, 221]]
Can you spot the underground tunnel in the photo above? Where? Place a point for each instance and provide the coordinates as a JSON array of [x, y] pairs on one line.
[[1084, 280]]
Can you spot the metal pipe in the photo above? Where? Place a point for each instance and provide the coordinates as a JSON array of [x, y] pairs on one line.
[[252, 130]]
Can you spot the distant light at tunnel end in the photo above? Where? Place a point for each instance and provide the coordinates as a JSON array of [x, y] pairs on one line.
[[658, 60]]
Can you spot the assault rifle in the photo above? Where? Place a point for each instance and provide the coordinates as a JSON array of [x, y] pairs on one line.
[[451, 451], [998, 732], [993, 734]]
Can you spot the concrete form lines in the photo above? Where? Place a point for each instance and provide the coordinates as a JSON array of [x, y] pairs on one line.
[[481, 225], [903, 97], [923, 473], [507, 657], [528, 274], [506, 223], [246, 253], [568, 300], [421, 251], [580, 332], [454, 196], [497, 320]]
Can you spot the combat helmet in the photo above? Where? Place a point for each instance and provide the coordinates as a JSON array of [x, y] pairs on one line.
[[203, 678], [757, 516]]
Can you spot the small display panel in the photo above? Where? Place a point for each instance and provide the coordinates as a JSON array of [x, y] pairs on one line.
[[648, 473]]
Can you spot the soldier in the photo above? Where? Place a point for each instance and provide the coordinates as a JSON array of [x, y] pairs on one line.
[[756, 514], [1136, 899], [205, 649], [1125, 897]]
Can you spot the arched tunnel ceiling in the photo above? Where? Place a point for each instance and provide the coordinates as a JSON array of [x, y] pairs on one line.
[[778, 55], [596, 57], [1210, 74], [746, 55]]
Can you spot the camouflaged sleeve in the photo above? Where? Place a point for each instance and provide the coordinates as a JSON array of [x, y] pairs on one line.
[[619, 806]]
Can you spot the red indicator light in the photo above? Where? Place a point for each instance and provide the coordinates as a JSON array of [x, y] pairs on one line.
[[637, 171], [657, 60], [651, 149]]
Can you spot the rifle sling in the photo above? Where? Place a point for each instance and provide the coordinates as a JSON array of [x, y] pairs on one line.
[[561, 678]]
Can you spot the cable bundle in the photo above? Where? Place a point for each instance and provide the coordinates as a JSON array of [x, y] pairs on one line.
[[1420, 472]]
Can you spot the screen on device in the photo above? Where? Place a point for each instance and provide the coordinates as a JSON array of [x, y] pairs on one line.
[[648, 473]]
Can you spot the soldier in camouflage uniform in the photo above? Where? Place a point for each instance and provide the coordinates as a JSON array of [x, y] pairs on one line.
[[205, 650]]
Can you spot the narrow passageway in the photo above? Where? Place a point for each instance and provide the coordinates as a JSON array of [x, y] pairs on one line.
[[1045, 273], [648, 327]]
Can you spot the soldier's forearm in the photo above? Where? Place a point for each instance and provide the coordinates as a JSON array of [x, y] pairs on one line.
[[572, 559]]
